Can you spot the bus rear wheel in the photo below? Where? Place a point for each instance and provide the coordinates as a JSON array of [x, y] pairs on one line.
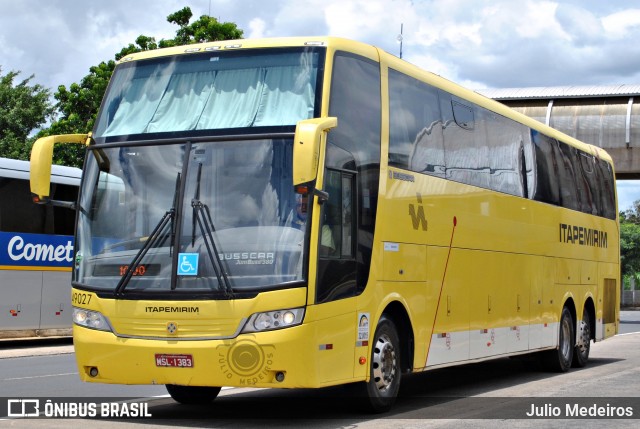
[[385, 372], [560, 359], [583, 341], [190, 395]]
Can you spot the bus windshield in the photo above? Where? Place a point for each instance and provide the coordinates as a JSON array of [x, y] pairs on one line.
[[229, 219], [211, 91]]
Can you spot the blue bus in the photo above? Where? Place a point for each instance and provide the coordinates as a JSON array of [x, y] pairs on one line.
[[36, 253]]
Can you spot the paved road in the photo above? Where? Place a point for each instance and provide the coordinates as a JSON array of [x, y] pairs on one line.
[[629, 321], [489, 394]]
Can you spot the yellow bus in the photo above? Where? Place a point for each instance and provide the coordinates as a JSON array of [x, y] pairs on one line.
[[310, 212]]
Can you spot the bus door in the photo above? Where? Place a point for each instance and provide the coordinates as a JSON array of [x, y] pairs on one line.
[[336, 276], [336, 260]]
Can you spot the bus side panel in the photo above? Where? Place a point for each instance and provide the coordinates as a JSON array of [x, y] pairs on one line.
[[542, 320], [56, 301], [500, 310], [450, 338], [334, 325], [412, 275], [535, 302], [19, 302]]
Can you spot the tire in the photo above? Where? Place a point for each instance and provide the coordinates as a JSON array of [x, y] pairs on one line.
[[385, 370], [560, 359], [190, 395], [583, 341]]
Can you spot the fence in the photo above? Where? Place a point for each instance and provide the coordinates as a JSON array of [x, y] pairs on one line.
[[630, 298]]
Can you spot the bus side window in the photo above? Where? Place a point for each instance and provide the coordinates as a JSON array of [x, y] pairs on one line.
[[547, 186], [336, 236], [570, 196], [63, 218], [587, 178], [607, 189], [415, 126], [506, 154], [466, 152]]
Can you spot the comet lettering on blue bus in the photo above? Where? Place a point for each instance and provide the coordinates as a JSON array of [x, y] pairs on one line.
[[35, 250]]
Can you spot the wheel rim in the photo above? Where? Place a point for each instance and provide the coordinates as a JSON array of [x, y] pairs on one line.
[[384, 363], [565, 340], [584, 337]]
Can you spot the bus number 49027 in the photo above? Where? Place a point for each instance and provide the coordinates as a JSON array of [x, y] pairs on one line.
[[81, 298]]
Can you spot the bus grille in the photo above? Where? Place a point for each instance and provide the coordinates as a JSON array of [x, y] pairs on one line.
[[177, 328]]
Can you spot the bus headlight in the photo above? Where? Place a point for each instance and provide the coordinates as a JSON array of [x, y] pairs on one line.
[[90, 319], [271, 320]]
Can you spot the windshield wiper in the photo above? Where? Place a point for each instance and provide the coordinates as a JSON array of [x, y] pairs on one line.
[[155, 239], [202, 216]]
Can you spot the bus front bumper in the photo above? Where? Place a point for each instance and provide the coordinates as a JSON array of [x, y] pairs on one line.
[[282, 358]]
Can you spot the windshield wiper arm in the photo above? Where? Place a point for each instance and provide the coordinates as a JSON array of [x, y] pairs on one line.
[[202, 216], [156, 238]]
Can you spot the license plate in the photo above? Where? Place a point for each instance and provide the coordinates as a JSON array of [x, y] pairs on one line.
[[175, 361]]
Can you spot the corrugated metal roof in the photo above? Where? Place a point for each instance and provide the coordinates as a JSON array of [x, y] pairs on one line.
[[553, 92]]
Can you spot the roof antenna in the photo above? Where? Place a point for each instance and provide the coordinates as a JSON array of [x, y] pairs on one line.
[[399, 39]]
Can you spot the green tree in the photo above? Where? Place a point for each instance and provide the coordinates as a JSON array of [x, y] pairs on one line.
[[78, 105], [631, 215], [630, 243], [78, 108], [630, 248], [205, 29], [23, 109]]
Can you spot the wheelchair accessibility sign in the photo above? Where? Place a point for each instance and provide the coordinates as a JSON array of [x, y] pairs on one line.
[[188, 264]]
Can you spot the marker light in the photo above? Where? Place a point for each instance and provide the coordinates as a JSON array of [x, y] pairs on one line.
[[271, 320], [302, 189], [90, 319]]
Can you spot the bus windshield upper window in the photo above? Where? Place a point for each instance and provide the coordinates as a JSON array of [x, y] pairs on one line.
[[210, 91]]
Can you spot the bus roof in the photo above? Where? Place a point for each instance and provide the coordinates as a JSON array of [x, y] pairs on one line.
[[18, 169], [241, 44]]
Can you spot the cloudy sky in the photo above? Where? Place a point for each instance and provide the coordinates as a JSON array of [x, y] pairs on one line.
[[478, 43]]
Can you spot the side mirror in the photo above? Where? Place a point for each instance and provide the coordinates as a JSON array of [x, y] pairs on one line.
[[41, 159], [308, 144]]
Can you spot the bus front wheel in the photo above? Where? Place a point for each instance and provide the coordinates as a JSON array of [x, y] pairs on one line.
[[559, 360], [385, 373], [190, 395]]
